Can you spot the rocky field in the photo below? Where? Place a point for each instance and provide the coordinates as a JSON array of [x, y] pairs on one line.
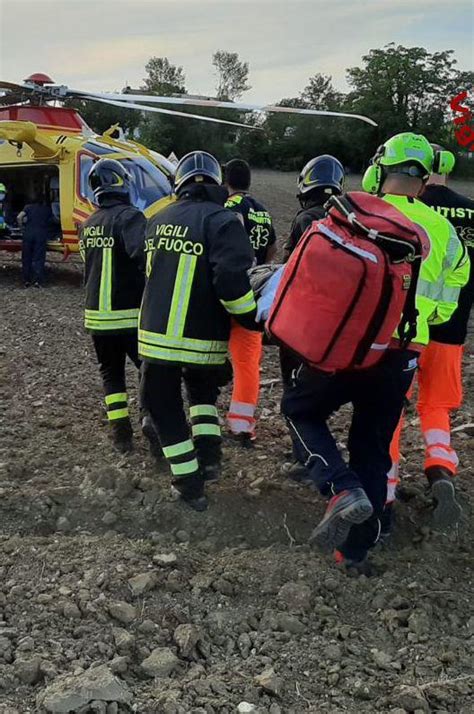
[[115, 599]]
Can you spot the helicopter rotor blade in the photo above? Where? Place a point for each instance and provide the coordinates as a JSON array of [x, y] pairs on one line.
[[171, 112], [16, 87], [238, 106]]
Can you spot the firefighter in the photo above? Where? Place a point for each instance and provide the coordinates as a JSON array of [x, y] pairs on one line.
[[112, 247], [245, 346], [197, 281], [440, 375], [319, 179], [357, 491]]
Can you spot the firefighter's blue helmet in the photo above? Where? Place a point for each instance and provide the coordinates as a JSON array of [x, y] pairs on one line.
[[198, 167], [324, 172]]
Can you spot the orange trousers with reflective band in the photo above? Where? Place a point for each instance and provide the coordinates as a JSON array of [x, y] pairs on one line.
[[245, 348], [439, 392]]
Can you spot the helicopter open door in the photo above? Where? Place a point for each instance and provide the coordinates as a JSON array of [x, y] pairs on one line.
[[23, 183]]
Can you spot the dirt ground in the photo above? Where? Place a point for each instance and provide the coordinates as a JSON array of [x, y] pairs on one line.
[[114, 598]]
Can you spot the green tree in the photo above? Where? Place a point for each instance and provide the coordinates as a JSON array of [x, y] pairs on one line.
[[320, 93], [232, 75], [163, 77], [403, 88], [160, 132]]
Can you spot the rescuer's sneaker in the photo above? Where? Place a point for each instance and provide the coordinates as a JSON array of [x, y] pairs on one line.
[[151, 435], [447, 510], [190, 490], [122, 435], [344, 510]]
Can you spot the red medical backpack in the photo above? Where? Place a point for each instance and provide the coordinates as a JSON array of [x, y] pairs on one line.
[[349, 284]]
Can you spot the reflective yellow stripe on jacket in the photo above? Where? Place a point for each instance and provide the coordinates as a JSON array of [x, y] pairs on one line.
[[111, 319], [241, 305], [444, 271], [171, 348], [106, 319]]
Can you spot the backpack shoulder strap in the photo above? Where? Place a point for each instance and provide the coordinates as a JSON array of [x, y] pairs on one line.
[[342, 203], [408, 324]]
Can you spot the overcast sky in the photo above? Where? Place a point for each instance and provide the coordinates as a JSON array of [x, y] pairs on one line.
[[104, 44]]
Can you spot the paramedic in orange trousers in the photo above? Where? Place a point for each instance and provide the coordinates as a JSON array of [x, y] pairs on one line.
[[440, 376], [246, 345]]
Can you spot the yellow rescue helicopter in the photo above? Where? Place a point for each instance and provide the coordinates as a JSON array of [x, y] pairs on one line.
[[50, 148]]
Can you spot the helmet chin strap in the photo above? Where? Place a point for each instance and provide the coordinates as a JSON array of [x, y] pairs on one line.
[[413, 171]]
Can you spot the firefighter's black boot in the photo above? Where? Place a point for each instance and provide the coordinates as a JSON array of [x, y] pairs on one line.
[[209, 455], [151, 435], [122, 435], [190, 489]]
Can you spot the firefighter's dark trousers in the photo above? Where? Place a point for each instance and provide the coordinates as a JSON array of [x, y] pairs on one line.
[[377, 395], [112, 351], [162, 397]]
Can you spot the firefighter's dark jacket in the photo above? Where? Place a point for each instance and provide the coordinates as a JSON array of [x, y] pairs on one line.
[[198, 254], [112, 242], [301, 221]]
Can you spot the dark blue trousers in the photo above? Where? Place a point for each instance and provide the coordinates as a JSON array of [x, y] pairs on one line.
[[33, 258], [377, 396]]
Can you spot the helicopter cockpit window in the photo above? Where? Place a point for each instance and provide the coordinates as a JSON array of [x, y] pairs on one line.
[[85, 166], [149, 184]]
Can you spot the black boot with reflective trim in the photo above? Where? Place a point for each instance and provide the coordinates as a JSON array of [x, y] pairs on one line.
[[116, 405], [207, 439], [190, 489], [187, 482], [122, 435]]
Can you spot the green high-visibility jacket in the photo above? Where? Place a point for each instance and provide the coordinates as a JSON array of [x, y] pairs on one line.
[[444, 269]]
